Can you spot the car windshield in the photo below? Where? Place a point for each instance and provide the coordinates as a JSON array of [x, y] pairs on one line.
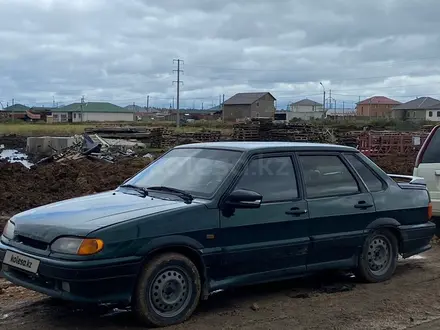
[[196, 171]]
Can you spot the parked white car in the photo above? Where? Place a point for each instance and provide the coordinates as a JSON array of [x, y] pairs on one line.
[[427, 166]]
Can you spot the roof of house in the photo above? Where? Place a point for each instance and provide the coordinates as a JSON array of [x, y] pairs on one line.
[[104, 107], [307, 102], [17, 108], [379, 100], [435, 107], [420, 103], [246, 98], [267, 146]]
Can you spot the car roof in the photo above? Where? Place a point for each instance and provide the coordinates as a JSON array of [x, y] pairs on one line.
[[268, 146]]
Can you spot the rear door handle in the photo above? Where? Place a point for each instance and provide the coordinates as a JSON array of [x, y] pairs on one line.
[[363, 205], [296, 211]]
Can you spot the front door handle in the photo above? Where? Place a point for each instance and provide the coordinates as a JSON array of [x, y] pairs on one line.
[[296, 211], [363, 205]]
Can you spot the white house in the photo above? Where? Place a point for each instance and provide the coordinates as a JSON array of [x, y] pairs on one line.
[[91, 111], [419, 109], [306, 109]]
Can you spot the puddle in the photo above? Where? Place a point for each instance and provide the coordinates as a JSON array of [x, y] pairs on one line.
[[14, 156]]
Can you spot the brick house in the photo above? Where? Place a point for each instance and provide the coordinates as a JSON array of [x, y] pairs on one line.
[[376, 106], [249, 105]]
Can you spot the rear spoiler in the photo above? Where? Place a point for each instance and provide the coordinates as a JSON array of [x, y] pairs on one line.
[[412, 179]]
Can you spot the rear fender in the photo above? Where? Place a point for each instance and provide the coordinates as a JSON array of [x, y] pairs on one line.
[[382, 223]]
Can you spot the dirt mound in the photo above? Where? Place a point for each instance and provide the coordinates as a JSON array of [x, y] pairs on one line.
[[13, 141], [22, 189]]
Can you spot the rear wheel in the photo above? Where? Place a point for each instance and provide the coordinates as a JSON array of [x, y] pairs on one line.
[[378, 259], [168, 290]]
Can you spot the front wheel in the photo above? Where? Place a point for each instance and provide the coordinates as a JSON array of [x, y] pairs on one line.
[[378, 259], [168, 290]]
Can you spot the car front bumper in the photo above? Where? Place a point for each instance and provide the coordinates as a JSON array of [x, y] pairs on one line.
[[94, 281]]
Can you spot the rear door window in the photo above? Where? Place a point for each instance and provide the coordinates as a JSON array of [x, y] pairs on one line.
[[432, 151], [326, 176], [371, 181]]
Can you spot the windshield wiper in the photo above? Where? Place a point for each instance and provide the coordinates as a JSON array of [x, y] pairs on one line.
[[181, 193], [141, 190]]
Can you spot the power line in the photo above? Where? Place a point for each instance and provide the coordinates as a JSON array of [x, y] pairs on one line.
[[382, 63]]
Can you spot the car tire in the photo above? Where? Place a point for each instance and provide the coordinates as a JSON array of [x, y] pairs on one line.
[[168, 290], [378, 259]]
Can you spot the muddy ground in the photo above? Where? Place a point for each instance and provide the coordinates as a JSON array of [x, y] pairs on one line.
[[330, 302]]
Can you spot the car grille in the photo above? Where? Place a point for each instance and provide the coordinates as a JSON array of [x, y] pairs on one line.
[[36, 244]]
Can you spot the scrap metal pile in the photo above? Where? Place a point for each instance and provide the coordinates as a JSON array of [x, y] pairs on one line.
[[384, 143], [94, 147]]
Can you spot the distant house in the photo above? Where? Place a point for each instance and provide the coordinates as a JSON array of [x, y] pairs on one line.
[[421, 108], [91, 111], [306, 109], [249, 105], [17, 111], [376, 106]]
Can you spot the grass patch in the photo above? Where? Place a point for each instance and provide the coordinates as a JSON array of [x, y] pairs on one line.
[[41, 129], [30, 129]]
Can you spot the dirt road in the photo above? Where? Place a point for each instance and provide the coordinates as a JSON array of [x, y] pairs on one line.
[[410, 298]]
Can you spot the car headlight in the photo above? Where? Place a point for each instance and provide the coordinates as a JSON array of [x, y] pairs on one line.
[[8, 230], [77, 246]]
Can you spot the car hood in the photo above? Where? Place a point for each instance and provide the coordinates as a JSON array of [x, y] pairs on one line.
[[80, 216]]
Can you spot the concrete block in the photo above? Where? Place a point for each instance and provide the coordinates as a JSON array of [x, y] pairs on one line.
[[43, 145]]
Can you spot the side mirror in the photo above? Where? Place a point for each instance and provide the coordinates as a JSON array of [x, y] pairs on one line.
[[244, 199]]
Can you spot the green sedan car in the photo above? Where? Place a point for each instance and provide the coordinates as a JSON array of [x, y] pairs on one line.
[[212, 216]]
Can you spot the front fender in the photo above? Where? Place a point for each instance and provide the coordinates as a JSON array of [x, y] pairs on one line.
[[169, 242]]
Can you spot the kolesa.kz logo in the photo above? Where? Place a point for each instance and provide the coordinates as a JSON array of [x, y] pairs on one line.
[[22, 262]]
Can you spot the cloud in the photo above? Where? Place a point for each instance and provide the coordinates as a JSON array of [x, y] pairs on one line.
[[122, 51]]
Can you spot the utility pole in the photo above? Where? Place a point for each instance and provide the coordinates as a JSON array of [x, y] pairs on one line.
[[343, 109], [223, 108], [13, 111], [82, 108], [330, 98], [369, 109], [178, 71], [323, 98], [148, 102]]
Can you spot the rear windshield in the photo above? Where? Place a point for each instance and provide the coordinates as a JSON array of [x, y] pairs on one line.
[[432, 151]]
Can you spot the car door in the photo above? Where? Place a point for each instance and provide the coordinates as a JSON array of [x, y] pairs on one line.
[[340, 208], [274, 236]]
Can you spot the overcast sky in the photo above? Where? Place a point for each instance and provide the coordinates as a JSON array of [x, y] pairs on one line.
[[123, 50]]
